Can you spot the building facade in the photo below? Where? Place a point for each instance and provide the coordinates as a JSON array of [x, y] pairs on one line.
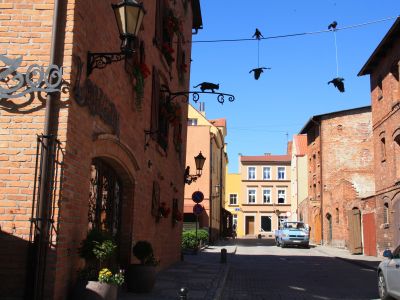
[[207, 136], [299, 176], [383, 68], [233, 200], [340, 174], [266, 193], [105, 152]]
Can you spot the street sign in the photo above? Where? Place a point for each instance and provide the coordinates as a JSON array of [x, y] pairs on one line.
[[237, 209], [197, 197], [197, 209]]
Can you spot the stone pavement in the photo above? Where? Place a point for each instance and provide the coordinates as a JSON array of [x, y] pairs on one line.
[[204, 275]]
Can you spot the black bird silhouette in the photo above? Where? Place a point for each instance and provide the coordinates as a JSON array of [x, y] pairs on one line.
[[258, 71], [257, 34], [332, 25], [338, 83]]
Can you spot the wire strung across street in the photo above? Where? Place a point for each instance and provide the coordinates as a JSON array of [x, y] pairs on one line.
[[296, 34]]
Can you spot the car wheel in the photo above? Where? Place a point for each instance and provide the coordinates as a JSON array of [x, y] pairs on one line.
[[383, 294], [283, 245], [307, 246]]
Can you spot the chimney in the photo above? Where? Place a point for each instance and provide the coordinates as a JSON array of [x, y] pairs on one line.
[[202, 108]]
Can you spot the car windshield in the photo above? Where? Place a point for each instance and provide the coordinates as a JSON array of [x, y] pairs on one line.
[[294, 225]]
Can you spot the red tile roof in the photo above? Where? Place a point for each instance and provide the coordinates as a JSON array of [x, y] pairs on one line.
[[301, 144], [219, 122], [266, 158]]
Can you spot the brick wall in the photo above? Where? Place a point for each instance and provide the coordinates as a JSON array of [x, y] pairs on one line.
[[89, 26]]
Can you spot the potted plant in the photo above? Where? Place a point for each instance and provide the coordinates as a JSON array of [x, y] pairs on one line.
[[100, 277], [140, 278]]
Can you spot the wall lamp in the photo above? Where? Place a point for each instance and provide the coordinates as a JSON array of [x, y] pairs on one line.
[[129, 16], [199, 160]]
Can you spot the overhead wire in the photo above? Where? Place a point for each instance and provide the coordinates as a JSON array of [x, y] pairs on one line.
[[295, 34]]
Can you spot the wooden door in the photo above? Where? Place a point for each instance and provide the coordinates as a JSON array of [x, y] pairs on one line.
[[354, 219], [369, 234], [249, 225]]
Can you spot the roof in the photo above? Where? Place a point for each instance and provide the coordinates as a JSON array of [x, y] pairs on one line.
[[300, 142], [266, 158], [197, 19], [219, 122], [389, 39], [317, 118]]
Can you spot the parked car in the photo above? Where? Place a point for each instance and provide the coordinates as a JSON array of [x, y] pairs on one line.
[[292, 233], [389, 275]]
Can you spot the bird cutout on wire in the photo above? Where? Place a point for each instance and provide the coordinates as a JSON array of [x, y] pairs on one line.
[[257, 71], [332, 25], [337, 81], [257, 34]]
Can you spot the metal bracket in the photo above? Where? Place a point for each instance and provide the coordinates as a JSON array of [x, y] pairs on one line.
[[101, 60], [195, 95]]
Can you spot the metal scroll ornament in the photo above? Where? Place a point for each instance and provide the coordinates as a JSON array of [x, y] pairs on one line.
[[14, 84], [196, 95]]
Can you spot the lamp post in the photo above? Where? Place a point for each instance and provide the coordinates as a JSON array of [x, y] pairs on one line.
[[199, 161], [129, 16]]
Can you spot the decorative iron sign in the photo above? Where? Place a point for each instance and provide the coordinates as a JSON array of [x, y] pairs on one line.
[[92, 96], [36, 78]]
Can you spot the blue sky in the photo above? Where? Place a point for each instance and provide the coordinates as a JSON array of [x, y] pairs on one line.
[[267, 112]]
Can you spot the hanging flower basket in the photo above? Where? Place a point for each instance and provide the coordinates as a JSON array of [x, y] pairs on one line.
[[168, 53]]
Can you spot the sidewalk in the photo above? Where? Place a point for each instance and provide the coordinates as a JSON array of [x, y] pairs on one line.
[[202, 274], [368, 262]]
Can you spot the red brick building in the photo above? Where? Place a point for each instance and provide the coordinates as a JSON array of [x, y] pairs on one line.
[[340, 174], [119, 144], [383, 68]]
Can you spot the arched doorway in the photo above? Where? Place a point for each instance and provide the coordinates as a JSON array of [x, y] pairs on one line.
[[105, 198]]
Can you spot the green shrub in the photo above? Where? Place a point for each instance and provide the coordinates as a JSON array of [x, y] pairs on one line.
[[189, 238]]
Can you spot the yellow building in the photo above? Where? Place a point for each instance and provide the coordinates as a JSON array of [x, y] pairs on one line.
[[232, 200], [207, 136]]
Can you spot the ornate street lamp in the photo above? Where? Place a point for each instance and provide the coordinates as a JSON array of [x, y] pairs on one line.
[[129, 16], [199, 160]]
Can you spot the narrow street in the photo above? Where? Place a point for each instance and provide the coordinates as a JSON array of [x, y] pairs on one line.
[[261, 270]]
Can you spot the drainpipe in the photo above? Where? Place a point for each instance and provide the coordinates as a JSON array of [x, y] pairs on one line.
[[210, 193], [220, 190], [44, 202]]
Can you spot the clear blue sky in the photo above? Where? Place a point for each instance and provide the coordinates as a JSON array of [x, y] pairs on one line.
[[285, 97]]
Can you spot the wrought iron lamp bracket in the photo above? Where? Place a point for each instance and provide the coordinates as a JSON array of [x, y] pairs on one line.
[[101, 60], [191, 178], [196, 95]]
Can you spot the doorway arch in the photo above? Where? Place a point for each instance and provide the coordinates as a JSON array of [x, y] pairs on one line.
[[329, 219]]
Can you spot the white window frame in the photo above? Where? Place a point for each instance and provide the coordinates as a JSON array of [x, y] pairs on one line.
[[270, 195], [235, 219], [236, 199], [284, 173], [192, 121], [255, 195], [269, 173], [248, 173], [284, 193]]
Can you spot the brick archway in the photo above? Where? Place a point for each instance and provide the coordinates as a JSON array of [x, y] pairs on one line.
[[120, 157]]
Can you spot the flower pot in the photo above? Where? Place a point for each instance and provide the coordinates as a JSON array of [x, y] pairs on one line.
[[140, 278], [95, 290]]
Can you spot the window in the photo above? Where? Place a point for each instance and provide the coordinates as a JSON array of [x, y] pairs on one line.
[[159, 120], [281, 219], [396, 137], [192, 122], [386, 213], [281, 196], [251, 173], [251, 196], [281, 173], [232, 199], [266, 196], [234, 220], [383, 146], [337, 215], [266, 173], [266, 223]]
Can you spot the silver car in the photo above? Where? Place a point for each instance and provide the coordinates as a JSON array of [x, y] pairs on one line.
[[389, 275]]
